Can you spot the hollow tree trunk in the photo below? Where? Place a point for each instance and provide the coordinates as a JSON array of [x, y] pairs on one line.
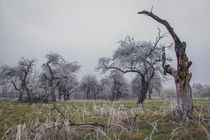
[[181, 75]]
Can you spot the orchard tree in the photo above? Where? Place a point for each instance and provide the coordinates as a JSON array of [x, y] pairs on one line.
[[142, 58], [106, 88], [50, 73], [90, 86], [19, 76], [67, 82], [181, 74], [119, 86], [155, 85]]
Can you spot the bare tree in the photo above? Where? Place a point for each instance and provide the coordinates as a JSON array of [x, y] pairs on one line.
[[67, 82], [51, 73], [138, 57], [119, 86], [90, 86], [181, 75], [155, 84], [105, 92], [19, 76]]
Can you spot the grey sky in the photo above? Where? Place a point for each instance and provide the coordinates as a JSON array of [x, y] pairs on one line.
[[84, 30]]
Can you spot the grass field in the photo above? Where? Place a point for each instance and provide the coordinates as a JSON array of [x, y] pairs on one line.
[[103, 120]]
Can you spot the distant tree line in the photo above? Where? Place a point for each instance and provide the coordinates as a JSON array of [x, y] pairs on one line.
[[200, 90], [58, 80]]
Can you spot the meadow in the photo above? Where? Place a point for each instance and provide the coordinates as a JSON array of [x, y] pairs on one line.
[[101, 120]]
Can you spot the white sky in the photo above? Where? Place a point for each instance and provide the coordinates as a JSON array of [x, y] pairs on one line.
[[84, 30]]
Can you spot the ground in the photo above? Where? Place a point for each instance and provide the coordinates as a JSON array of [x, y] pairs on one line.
[[103, 120]]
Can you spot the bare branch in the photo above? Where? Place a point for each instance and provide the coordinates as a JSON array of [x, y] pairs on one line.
[[165, 23]]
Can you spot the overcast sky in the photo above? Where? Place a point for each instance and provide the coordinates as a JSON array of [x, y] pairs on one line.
[[84, 30]]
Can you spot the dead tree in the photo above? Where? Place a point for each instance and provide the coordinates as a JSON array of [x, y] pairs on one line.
[[181, 75]]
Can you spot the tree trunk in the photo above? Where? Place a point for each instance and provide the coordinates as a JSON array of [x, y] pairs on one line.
[[94, 96], [59, 96], [181, 75], [28, 94], [143, 93], [64, 96], [114, 95], [53, 95], [88, 94], [184, 100], [20, 96], [67, 96], [150, 93], [29, 97]]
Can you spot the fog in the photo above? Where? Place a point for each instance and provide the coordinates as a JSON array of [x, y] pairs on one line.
[[84, 30]]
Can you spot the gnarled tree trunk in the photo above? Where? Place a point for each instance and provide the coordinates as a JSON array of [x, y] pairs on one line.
[[181, 75]]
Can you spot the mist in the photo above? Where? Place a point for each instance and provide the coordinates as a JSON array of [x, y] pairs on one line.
[[84, 30]]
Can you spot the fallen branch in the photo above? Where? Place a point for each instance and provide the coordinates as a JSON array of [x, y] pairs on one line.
[[71, 123], [55, 108], [95, 124]]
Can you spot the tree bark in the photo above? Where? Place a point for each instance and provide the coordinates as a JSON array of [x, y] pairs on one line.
[[184, 100], [181, 75]]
